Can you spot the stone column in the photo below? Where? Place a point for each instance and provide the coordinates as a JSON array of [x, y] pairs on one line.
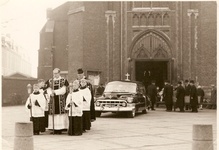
[[202, 137], [23, 136]]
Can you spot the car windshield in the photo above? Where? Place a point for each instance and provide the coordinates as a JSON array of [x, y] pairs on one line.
[[126, 87]]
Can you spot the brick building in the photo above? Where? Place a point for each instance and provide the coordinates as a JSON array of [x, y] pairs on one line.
[[147, 39]]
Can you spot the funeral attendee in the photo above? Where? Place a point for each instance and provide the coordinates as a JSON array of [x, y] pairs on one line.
[[193, 97], [74, 103], [80, 76], [187, 94], [86, 105], [152, 93], [168, 95], [180, 94], [100, 89], [201, 94], [213, 94], [36, 104], [57, 88], [41, 83]]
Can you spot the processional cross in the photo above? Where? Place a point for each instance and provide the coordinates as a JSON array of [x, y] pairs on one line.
[[127, 77]]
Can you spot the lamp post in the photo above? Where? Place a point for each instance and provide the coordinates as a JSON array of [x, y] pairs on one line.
[[29, 87]]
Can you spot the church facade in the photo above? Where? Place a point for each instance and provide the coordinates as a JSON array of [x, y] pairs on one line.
[[149, 40]]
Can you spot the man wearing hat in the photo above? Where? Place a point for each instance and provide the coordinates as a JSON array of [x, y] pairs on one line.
[[187, 94], [193, 97], [80, 76], [180, 94], [152, 92], [168, 95], [57, 88]]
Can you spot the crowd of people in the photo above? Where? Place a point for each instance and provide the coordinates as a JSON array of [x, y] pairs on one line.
[[58, 105], [187, 95]]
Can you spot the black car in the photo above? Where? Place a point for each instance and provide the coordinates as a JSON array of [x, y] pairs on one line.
[[122, 96]]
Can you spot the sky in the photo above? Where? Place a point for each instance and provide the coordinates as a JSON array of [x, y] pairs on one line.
[[24, 19]]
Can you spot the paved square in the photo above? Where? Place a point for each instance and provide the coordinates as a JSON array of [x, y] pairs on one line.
[[152, 131]]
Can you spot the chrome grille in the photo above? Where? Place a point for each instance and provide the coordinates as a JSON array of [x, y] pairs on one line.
[[111, 103]]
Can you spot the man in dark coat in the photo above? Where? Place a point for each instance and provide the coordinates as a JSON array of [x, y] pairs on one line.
[[152, 92], [193, 97], [187, 93], [168, 95], [180, 94], [201, 94]]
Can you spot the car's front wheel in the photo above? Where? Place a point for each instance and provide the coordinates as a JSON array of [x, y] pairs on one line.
[[98, 113], [144, 111], [131, 114]]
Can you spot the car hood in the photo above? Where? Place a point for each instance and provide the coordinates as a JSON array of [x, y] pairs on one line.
[[115, 95]]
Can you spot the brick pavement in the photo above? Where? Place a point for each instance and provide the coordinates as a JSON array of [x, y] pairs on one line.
[[154, 130]]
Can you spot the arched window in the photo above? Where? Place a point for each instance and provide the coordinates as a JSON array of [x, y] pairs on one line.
[[166, 20], [143, 20], [151, 19], [158, 20], [135, 20]]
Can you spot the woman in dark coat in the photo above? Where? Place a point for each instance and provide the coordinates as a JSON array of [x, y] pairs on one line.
[[180, 94]]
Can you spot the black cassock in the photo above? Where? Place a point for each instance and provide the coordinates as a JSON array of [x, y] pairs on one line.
[[180, 94]]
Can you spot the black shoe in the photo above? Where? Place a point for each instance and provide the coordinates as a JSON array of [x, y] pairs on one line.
[[152, 109]]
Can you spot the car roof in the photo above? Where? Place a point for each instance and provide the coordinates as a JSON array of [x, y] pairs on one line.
[[137, 82]]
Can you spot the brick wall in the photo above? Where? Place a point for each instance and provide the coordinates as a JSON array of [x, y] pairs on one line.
[[14, 90]]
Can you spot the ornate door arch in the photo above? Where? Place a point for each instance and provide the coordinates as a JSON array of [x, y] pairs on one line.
[[150, 45]]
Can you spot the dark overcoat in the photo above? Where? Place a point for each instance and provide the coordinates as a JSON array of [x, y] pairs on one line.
[[193, 96], [152, 92], [180, 94], [168, 94], [187, 90]]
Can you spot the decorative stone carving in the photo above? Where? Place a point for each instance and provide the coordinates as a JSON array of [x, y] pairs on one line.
[[151, 46], [160, 52]]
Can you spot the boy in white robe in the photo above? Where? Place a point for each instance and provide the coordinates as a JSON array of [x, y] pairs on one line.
[[74, 104], [42, 90], [36, 104], [86, 105]]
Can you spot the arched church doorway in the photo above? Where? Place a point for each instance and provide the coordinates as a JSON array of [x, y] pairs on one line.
[[146, 71], [151, 58]]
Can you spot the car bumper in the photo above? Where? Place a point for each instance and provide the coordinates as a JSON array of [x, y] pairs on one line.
[[115, 108]]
